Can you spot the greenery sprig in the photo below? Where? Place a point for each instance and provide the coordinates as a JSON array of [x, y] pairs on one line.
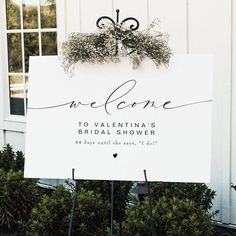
[[112, 42]]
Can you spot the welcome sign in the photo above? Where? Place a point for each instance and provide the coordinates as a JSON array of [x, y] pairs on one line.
[[110, 122]]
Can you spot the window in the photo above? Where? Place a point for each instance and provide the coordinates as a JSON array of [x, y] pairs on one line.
[[31, 30]]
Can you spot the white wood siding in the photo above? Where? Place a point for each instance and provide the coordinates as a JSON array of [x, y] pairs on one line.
[[172, 15], [233, 116], [209, 32], [195, 26]]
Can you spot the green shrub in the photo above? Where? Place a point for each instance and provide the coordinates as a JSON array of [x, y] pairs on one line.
[[198, 193], [171, 217], [121, 194], [17, 195], [52, 215], [9, 160], [90, 214], [17, 198], [179, 209]]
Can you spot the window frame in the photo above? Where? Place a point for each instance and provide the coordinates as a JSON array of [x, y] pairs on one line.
[[7, 120]]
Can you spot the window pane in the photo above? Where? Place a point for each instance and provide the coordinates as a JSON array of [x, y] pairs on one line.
[[49, 43], [30, 14], [13, 14], [16, 95], [48, 14], [31, 47], [14, 52]]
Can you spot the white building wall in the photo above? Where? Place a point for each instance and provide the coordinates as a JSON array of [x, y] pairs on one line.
[[195, 26], [210, 32], [233, 112]]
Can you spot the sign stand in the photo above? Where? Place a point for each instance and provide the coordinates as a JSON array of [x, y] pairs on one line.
[[112, 206], [150, 204], [119, 200], [133, 28], [76, 188]]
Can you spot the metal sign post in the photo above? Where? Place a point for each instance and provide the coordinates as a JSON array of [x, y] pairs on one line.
[[150, 204], [76, 187]]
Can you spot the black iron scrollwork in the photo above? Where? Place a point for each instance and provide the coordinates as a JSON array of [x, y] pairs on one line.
[[134, 25], [99, 23]]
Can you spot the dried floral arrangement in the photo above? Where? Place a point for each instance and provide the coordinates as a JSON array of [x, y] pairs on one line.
[[114, 41]]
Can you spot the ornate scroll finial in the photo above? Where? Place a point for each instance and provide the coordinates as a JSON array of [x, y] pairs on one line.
[[134, 25]]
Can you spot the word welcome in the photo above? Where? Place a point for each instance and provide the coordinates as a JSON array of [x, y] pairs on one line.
[[117, 101]]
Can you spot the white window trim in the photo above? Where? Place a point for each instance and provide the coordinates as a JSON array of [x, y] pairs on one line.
[[17, 122]]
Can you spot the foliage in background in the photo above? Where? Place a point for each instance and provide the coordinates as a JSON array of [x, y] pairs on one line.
[[10, 160], [198, 193], [17, 198], [51, 216], [171, 217], [178, 208], [101, 47], [17, 195], [121, 193]]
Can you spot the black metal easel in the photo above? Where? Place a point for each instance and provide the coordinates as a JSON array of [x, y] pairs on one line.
[[76, 187], [112, 206], [150, 204], [132, 27]]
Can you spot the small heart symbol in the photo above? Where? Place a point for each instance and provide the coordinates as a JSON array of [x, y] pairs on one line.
[[115, 155]]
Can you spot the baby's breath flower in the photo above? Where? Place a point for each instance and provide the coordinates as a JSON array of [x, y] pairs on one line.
[[112, 42]]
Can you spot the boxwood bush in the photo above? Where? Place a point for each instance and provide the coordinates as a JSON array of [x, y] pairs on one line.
[[179, 209], [171, 217], [10, 160], [17, 195], [121, 194], [52, 215], [199, 193]]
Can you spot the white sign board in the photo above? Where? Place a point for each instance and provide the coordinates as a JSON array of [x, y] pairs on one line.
[[110, 122]]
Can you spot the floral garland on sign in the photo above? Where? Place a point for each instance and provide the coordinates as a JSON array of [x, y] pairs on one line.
[[112, 42]]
